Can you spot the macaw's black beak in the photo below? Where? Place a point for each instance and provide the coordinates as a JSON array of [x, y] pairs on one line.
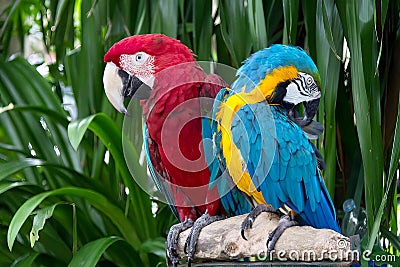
[[310, 109], [133, 87]]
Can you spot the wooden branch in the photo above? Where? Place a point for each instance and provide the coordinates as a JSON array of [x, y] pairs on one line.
[[222, 241]]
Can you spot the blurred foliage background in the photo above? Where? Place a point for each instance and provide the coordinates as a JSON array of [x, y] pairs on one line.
[[84, 204]]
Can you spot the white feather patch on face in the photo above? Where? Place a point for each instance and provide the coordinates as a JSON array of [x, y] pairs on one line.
[[113, 87], [302, 89], [140, 65]]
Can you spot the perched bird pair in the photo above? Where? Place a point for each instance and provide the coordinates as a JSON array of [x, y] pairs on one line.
[[216, 151]]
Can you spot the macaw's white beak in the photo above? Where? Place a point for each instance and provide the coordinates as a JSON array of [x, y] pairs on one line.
[[113, 87], [118, 85]]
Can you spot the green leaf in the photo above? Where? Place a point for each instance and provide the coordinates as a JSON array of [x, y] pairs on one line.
[[39, 220], [310, 23], [35, 106], [14, 8], [78, 128], [234, 26], [357, 20], [143, 18], [21, 215], [328, 31], [291, 13], [257, 27], [381, 25], [7, 186], [97, 200], [111, 136], [202, 29], [392, 237], [394, 161], [11, 167], [91, 252], [109, 133], [155, 246], [330, 72], [61, 8], [164, 17], [25, 260], [56, 116]]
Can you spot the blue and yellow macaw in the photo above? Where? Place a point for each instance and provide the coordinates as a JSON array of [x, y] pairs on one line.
[[262, 147]]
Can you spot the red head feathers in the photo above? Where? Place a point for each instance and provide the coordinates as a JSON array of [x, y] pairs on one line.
[[166, 50]]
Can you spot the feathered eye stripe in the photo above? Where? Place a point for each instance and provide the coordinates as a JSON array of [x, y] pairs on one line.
[[305, 85], [144, 70], [300, 87]]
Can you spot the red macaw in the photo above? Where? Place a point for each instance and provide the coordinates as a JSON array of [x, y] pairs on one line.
[[163, 72]]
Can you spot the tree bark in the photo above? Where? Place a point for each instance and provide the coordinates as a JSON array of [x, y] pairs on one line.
[[221, 241]]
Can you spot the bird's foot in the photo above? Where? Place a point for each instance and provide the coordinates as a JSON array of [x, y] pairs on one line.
[[249, 220], [172, 240], [284, 223], [199, 224]]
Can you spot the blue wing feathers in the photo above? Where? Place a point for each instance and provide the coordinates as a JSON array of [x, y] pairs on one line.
[[323, 216], [287, 173]]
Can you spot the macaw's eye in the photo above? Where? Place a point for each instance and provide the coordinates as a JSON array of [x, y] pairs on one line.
[[309, 81], [139, 57]]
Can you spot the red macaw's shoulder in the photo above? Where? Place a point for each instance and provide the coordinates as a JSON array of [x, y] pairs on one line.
[[172, 86], [178, 83], [176, 99]]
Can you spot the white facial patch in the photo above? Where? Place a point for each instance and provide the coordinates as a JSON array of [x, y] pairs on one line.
[[302, 89], [140, 65], [113, 86]]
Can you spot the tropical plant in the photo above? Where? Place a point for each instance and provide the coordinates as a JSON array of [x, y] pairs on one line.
[[66, 193]]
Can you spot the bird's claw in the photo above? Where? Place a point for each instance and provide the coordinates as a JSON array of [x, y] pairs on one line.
[[242, 234], [172, 240], [284, 223], [249, 220], [199, 224], [246, 225]]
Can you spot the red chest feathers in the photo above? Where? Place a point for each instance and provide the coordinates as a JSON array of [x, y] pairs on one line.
[[173, 119]]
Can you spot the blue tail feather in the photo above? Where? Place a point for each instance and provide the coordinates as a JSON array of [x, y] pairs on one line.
[[322, 217]]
